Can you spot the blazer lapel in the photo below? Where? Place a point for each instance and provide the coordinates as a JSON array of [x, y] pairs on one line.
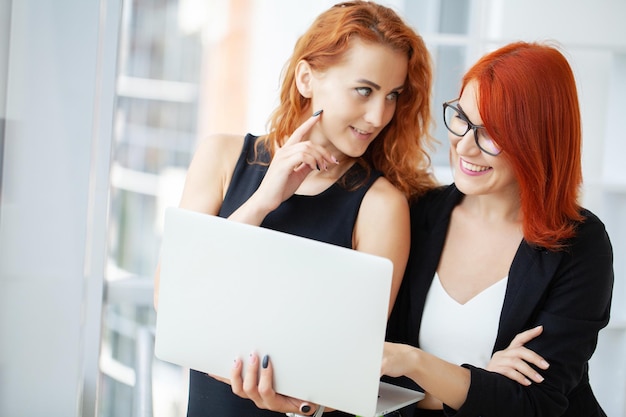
[[530, 274], [426, 253]]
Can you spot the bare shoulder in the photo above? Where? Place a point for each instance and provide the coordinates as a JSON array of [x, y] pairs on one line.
[[384, 209], [383, 194], [220, 147], [218, 154], [210, 172]]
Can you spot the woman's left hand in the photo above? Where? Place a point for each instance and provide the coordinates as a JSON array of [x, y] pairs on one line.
[[257, 385], [514, 361]]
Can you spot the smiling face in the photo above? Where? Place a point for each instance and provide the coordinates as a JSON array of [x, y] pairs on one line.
[[476, 172], [358, 96]]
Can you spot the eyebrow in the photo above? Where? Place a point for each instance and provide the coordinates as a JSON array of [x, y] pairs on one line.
[[376, 86], [466, 116]]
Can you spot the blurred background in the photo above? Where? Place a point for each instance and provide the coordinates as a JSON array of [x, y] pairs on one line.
[[102, 104]]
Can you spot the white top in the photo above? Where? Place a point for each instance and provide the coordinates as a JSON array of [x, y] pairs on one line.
[[462, 333]]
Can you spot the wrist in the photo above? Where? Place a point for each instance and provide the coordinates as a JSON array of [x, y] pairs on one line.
[[252, 211], [414, 356]]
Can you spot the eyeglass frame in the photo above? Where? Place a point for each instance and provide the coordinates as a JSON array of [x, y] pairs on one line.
[[470, 126]]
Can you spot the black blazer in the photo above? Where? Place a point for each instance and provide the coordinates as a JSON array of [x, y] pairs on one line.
[[568, 292]]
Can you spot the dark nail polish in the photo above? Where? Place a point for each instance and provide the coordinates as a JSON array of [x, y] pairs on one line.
[[265, 362], [305, 408], [317, 113]]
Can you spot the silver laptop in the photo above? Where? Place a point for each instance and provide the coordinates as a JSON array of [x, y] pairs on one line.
[[318, 310]]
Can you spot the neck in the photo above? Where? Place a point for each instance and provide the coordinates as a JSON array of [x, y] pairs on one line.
[[494, 207]]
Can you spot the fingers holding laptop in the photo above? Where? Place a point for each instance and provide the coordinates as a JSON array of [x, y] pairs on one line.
[[256, 384]]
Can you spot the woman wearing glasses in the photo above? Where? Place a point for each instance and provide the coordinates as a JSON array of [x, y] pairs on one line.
[[506, 250]]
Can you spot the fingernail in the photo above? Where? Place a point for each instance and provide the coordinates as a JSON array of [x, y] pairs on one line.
[[334, 159], [252, 358], [539, 378], [265, 362], [317, 113], [305, 408], [545, 364]]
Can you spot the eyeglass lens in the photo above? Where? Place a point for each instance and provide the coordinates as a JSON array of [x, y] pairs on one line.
[[458, 124]]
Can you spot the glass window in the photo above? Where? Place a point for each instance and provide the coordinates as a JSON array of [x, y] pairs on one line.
[[446, 29], [449, 61], [154, 137]]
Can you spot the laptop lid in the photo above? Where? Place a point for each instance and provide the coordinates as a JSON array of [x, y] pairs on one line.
[[319, 310]]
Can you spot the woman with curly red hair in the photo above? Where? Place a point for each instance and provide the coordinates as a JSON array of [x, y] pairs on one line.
[[344, 154]]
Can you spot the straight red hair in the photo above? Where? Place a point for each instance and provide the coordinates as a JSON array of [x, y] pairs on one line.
[[528, 102], [399, 151]]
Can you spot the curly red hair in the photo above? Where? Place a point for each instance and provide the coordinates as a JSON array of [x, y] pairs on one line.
[[399, 150]]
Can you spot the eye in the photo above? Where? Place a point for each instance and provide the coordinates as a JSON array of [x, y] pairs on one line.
[[393, 96], [364, 91]]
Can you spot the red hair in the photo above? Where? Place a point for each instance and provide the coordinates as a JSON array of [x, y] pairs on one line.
[[399, 150], [528, 102]]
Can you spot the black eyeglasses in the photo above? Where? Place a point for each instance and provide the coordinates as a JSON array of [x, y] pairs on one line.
[[458, 124]]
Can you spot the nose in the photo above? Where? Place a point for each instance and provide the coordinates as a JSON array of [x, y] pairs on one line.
[[466, 144], [376, 113]]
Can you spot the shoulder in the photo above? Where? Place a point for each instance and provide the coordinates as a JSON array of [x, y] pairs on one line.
[[383, 204], [382, 192], [220, 146], [210, 172], [591, 236], [217, 155], [439, 196], [590, 222], [435, 203], [584, 266]]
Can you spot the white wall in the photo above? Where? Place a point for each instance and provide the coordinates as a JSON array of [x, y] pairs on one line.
[[59, 97]]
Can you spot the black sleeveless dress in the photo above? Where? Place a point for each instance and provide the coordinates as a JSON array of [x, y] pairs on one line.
[[328, 217]]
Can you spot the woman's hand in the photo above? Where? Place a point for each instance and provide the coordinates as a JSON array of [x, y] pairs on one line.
[[514, 361], [290, 166], [396, 359], [257, 385]]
